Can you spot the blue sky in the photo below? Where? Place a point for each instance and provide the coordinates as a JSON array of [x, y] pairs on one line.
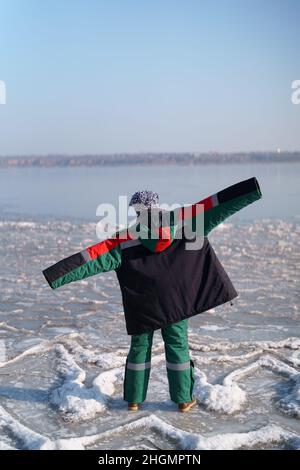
[[154, 75]]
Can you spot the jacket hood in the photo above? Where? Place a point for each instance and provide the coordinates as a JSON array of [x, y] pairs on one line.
[[156, 229]]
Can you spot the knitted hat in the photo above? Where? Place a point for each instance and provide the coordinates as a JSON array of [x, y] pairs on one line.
[[144, 200]]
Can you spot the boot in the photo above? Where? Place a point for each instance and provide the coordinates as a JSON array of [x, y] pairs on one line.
[[184, 407], [133, 406]]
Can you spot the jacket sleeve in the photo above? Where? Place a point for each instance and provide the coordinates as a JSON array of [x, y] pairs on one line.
[[225, 203], [102, 257]]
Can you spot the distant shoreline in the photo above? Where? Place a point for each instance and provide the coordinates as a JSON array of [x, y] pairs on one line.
[[146, 159]]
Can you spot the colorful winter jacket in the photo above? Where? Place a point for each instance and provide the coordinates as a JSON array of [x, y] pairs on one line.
[[161, 281]]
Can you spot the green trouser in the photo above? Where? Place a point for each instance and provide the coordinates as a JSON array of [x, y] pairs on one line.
[[180, 368]]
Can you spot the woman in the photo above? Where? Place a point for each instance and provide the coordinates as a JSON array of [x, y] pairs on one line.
[[165, 277]]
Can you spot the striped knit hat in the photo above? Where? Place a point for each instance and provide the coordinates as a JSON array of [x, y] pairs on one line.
[[144, 200]]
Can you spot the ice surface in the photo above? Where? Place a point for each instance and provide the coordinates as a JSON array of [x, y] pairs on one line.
[[183, 439], [63, 352]]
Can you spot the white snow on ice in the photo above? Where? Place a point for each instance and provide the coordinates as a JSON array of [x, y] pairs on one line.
[[61, 382]]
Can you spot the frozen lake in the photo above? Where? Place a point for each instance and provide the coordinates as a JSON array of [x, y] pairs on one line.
[[62, 352], [76, 192]]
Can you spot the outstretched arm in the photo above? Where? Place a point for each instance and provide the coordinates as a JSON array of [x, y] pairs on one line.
[[225, 203], [101, 257]]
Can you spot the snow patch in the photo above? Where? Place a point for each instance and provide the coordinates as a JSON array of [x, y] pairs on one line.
[[225, 398], [212, 327], [228, 397], [73, 398]]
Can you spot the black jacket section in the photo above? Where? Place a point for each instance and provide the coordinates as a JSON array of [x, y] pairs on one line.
[[163, 288], [63, 267], [238, 189]]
